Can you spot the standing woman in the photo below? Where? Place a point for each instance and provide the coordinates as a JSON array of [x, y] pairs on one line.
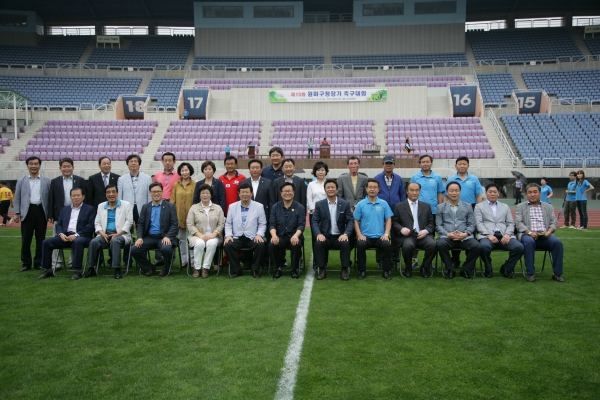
[[182, 197], [218, 196], [316, 189], [545, 191], [581, 188], [310, 147]]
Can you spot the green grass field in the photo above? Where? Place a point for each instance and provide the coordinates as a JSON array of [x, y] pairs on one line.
[[218, 338]]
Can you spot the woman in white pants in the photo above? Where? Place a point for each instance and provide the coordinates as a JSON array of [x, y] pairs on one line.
[[205, 224]]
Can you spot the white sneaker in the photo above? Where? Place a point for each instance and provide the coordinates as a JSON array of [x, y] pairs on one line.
[[9, 223], [1, 224], [572, 227], [560, 227]]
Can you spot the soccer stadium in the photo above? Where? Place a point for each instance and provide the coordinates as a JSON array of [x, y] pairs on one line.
[[342, 104]]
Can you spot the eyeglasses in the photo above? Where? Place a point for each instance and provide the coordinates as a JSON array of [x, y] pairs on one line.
[[287, 191]]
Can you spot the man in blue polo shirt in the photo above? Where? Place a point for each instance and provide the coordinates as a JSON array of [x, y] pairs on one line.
[[373, 223]]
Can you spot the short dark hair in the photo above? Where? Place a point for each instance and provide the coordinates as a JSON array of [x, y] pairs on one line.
[[206, 186], [110, 186], [544, 178], [185, 164], [75, 188], [453, 183], [318, 165], [289, 160], [3, 183], [352, 158], [230, 158], [129, 157], [255, 160], [33, 158], [462, 158], [331, 181], [66, 160], [155, 184], [532, 185], [287, 184], [102, 158], [208, 163], [276, 149], [168, 153], [573, 173], [491, 185], [416, 183], [425, 155], [245, 185], [371, 180]]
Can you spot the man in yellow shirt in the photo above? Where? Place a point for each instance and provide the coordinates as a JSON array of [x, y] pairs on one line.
[[6, 201]]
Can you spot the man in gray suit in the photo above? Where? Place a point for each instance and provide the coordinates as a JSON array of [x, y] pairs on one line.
[[352, 185], [133, 187], [496, 231], [32, 209], [536, 223], [455, 225]]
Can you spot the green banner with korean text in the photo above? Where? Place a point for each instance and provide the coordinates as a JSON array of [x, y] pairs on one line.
[[326, 95]]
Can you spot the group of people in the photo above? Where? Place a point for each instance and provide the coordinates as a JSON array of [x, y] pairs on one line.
[[257, 219]]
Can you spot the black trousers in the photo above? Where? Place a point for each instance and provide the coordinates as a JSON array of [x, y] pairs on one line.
[[471, 246], [4, 206], [383, 247], [321, 251], [150, 243], [243, 242], [410, 243], [34, 223], [456, 253], [277, 252]]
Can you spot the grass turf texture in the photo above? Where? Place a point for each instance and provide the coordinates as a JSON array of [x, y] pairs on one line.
[[218, 338]]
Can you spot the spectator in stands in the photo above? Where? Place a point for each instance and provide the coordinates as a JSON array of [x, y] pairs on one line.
[[245, 228], [310, 147], [518, 187], [455, 225], [249, 146], [74, 228], [352, 185], [205, 222], [32, 210], [286, 224], [168, 176], [407, 147], [332, 225], [289, 168], [324, 142], [133, 187], [185, 113], [96, 184], [208, 169], [372, 224], [571, 202], [231, 181], [182, 197], [536, 223], [545, 191], [582, 187], [157, 229], [114, 219], [6, 201], [227, 150], [496, 231], [274, 171]]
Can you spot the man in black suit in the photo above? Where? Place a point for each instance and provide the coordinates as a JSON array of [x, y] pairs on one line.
[[157, 228], [95, 193], [74, 228], [414, 232], [330, 235], [289, 167]]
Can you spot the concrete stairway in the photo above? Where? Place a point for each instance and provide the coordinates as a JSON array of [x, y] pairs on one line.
[[159, 134]]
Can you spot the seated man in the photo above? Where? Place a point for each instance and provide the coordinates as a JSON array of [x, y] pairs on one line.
[[414, 227], [113, 223], [245, 227], [455, 225], [496, 231], [332, 224], [286, 224], [536, 223], [74, 229], [157, 228], [373, 223]]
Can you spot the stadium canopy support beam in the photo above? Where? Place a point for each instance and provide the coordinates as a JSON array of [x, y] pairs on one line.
[[12, 99]]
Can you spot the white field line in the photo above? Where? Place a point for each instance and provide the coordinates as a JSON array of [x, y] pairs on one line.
[[287, 381]]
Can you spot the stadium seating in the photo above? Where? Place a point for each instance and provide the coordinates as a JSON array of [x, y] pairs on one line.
[[439, 137], [398, 59], [555, 137], [71, 91], [52, 49], [494, 87], [536, 44], [144, 51], [79, 139], [593, 44], [206, 139], [165, 91], [579, 85], [307, 62]]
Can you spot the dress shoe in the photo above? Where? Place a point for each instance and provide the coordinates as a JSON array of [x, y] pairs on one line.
[[47, 274], [425, 272], [557, 278], [386, 275], [91, 273], [408, 272], [150, 272], [450, 273], [465, 274], [344, 274], [118, 273], [322, 274], [294, 274], [505, 273], [256, 273], [361, 275], [488, 274], [238, 273], [196, 273], [39, 267], [25, 269], [531, 278], [277, 274], [205, 272], [163, 273], [77, 275]]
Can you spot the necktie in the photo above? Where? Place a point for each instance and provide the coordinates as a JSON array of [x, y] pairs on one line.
[[415, 218], [105, 179]]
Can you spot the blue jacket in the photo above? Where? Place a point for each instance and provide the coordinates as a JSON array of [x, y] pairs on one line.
[[321, 219], [85, 221], [278, 221], [394, 195]]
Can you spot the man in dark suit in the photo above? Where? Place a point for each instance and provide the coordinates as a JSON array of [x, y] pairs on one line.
[[332, 225], [414, 227], [157, 228], [95, 193], [74, 229], [289, 167]]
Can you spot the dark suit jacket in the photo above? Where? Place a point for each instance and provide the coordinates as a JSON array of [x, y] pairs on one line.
[[296, 222], [299, 190], [57, 194], [403, 218], [321, 220], [263, 193], [218, 196], [169, 225], [95, 193], [85, 220]]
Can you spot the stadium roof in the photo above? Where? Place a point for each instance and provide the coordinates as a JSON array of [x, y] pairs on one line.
[[180, 12], [8, 97]]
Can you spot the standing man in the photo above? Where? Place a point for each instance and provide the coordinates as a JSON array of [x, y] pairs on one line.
[[536, 223], [373, 223], [518, 184], [496, 231], [455, 225], [157, 228], [570, 202], [289, 167], [352, 185], [97, 183], [414, 227], [6, 200], [167, 177], [32, 209], [332, 226], [231, 180], [134, 186], [74, 229], [261, 193], [245, 227], [274, 170], [286, 224]]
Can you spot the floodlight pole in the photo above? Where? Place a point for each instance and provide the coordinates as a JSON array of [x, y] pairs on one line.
[[26, 115]]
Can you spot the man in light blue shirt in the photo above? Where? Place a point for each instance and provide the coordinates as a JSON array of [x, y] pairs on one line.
[[570, 203]]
